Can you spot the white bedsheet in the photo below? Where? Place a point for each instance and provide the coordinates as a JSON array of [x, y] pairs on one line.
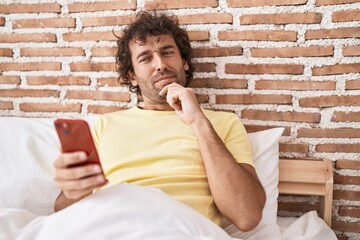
[[131, 212]]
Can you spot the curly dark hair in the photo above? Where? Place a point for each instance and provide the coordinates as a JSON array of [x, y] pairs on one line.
[[147, 24]]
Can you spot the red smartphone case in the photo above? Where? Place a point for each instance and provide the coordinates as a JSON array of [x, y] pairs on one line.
[[75, 135]]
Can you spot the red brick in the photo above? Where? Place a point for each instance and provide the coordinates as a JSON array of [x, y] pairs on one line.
[[295, 85], [204, 67], [332, 33], [90, 36], [330, 101], [233, 68], [351, 51], [347, 195], [258, 35], [103, 109], [98, 95], [206, 18], [338, 147], [345, 226], [109, 82], [92, 67], [336, 69], [281, 116], [284, 18], [198, 35], [45, 23], [256, 3], [30, 66], [333, 2], [2, 21], [28, 93], [30, 8], [6, 52], [328, 133], [27, 37], [104, 51], [107, 21], [346, 117], [6, 106], [202, 98], [253, 99], [348, 164], [313, 51], [347, 180], [60, 80], [102, 6], [350, 211], [49, 107], [352, 85], [257, 128], [52, 52], [219, 83], [9, 80], [217, 52], [294, 147], [346, 16], [175, 4]]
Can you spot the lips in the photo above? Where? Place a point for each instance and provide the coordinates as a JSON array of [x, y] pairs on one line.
[[165, 80]]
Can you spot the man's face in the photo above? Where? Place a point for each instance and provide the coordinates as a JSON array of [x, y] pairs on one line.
[[157, 62]]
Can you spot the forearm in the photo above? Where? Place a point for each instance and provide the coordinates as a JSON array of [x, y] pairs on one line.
[[62, 202], [235, 187]]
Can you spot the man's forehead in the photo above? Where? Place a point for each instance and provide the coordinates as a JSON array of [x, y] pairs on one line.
[[159, 39]]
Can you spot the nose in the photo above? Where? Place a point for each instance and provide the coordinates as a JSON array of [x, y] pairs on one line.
[[159, 63]]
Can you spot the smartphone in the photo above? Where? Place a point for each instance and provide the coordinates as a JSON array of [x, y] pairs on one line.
[[75, 135]]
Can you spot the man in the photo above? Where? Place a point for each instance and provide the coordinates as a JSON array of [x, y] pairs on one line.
[[199, 157]]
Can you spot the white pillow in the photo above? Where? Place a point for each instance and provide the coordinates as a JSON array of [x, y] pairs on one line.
[[28, 146], [265, 146]]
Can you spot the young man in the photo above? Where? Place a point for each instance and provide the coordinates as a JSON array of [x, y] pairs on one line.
[[199, 157]]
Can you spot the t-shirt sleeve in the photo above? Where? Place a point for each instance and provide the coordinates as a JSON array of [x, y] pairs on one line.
[[236, 140], [95, 131]]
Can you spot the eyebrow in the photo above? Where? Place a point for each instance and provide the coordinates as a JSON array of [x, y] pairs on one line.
[[166, 47]]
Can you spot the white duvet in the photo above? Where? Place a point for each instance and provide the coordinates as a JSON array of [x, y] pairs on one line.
[[131, 212]]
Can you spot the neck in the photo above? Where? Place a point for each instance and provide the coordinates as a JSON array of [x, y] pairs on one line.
[[157, 106]]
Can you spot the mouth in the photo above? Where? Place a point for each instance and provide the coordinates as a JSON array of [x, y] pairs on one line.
[[165, 80]]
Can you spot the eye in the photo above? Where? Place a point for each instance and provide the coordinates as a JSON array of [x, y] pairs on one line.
[[168, 53], [144, 59]]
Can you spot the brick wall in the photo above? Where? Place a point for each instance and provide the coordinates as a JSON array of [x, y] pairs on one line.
[[290, 63]]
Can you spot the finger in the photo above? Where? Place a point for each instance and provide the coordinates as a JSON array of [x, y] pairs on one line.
[[77, 172], [67, 159], [82, 184], [164, 91], [76, 194]]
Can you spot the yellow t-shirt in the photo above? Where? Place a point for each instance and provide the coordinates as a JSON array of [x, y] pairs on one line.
[[156, 149]]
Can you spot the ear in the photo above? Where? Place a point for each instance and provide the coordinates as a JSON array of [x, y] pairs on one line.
[[186, 65], [132, 78]]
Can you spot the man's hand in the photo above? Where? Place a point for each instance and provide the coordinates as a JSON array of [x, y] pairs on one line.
[[77, 182], [184, 102]]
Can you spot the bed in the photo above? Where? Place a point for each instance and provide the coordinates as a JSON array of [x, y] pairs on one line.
[[28, 147]]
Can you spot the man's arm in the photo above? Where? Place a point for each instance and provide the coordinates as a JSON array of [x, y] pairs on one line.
[[62, 201], [235, 187]]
